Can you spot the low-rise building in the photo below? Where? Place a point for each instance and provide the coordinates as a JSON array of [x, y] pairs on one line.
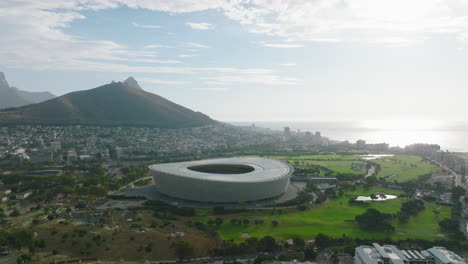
[[389, 254], [23, 195], [441, 255]]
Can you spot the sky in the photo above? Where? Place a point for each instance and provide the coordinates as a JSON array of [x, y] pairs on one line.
[[250, 60]]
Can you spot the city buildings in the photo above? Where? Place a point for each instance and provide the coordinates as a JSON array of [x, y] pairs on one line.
[[389, 254]]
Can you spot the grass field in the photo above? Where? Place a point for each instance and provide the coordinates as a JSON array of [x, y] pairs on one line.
[[404, 168], [336, 163], [334, 218]]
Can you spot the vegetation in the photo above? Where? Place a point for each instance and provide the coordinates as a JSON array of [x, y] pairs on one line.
[[374, 220], [323, 165], [114, 104], [335, 218], [403, 168]]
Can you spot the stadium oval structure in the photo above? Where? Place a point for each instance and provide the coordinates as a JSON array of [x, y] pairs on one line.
[[223, 180]]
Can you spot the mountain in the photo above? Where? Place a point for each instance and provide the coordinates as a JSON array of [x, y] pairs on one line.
[[13, 97], [116, 103], [35, 97], [130, 81]]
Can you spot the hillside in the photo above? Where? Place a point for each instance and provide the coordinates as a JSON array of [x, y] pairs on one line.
[[13, 97], [116, 103]]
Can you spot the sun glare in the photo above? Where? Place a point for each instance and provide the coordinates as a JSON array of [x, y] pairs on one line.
[[402, 124]]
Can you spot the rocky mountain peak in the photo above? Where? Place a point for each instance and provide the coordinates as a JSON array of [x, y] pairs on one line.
[[130, 81], [3, 81]]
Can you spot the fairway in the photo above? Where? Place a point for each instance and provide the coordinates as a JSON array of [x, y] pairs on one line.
[[335, 163], [404, 168], [335, 218]]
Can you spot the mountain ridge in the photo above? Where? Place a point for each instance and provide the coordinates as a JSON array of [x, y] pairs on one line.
[[13, 97], [116, 104]]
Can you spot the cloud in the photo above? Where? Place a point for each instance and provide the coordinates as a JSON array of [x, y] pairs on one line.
[[281, 45], [196, 45], [33, 37], [186, 55], [265, 79], [380, 22], [160, 81], [200, 26], [289, 64], [174, 6], [157, 46], [212, 89], [144, 26]]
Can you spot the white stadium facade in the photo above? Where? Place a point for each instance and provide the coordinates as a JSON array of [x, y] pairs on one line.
[[223, 180]]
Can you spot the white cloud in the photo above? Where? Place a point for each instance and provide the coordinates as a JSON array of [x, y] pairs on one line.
[[396, 22], [160, 81], [144, 26], [212, 89], [157, 46], [289, 64], [32, 37], [174, 6], [281, 45], [186, 55], [200, 26], [196, 45], [265, 79]]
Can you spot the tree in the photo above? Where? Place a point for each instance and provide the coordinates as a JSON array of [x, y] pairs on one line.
[[274, 223], [457, 192], [14, 213], [298, 242], [183, 249], [262, 258], [322, 241], [373, 197], [374, 220], [267, 243], [22, 238], [412, 207], [310, 254], [218, 221], [23, 258]]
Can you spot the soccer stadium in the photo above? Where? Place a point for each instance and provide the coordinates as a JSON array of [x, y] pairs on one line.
[[223, 180]]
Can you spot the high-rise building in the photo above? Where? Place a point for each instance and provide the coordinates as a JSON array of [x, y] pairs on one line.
[[360, 144], [286, 133]]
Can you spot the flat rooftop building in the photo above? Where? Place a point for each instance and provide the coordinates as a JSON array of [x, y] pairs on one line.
[[441, 255], [389, 254]]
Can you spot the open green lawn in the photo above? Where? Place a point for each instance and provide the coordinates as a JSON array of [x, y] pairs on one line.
[[404, 168], [336, 163], [334, 218]]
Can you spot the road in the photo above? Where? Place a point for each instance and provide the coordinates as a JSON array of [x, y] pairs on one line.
[[203, 260], [9, 259], [458, 177]]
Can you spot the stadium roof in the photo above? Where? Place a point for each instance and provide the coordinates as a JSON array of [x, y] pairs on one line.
[[264, 169]]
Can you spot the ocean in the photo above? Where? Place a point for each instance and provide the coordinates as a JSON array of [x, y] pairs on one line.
[[452, 136]]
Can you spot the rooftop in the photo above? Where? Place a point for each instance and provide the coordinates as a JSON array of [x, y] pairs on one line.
[[236, 169]]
